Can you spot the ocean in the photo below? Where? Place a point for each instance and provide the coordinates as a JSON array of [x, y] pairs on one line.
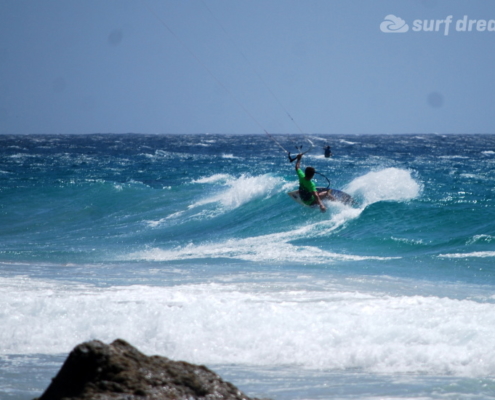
[[188, 247]]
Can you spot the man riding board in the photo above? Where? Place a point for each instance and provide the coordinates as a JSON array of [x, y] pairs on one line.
[[307, 188]]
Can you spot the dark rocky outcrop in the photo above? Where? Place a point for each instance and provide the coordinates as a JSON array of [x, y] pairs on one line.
[[97, 371]]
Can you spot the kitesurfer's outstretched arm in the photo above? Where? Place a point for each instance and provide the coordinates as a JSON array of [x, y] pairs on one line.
[[298, 163]]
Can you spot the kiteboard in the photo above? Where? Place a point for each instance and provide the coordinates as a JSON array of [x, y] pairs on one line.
[[339, 196]]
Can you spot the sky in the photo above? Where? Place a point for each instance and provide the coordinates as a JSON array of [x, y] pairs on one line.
[[247, 66]]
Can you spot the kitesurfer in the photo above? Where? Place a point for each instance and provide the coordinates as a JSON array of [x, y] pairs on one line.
[[307, 188], [328, 152]]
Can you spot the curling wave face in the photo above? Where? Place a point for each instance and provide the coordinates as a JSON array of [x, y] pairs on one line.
[[391, 184]]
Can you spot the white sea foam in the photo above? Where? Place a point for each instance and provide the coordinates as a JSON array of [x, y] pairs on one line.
[[239, 191], [408, 241], [481, 238], [276, 247], [319, 156], [228, 193], [453, 157], [213, 178], [388, 184], [262, 248], [475, 254], [231, 156], [256, 324]]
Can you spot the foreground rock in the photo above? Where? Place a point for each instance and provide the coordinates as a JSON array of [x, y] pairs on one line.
[[119, 371]]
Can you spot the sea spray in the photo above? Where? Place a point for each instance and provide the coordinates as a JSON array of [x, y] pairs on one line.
[[393, 184], [235, 192]]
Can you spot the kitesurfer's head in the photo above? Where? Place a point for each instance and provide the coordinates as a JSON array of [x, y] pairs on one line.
[[309, 172]]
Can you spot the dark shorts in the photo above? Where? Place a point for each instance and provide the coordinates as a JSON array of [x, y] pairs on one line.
[[306, 196]]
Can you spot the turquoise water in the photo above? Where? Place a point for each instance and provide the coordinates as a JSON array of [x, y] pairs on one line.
[[188, 246]]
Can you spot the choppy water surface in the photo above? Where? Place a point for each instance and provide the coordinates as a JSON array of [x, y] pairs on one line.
[[188, 247]]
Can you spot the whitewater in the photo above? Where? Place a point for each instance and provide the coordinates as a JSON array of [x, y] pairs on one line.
[[188, 247]]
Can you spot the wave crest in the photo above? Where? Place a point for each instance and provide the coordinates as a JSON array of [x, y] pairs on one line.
[[388, 184]]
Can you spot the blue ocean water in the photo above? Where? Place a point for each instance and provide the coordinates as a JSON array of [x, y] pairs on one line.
[[188, 246]]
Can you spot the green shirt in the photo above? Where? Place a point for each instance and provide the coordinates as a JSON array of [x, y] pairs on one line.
[[306, 188]]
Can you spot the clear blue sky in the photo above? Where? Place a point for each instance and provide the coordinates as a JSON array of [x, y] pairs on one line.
[[113, 66]]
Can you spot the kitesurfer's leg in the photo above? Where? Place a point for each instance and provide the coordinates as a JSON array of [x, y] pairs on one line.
[[326, 194]]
